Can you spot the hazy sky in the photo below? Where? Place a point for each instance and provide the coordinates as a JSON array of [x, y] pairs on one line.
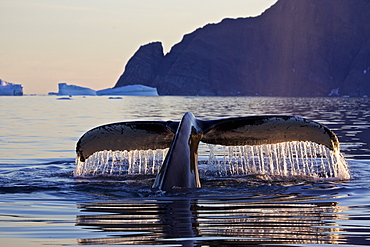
[[88, 42]]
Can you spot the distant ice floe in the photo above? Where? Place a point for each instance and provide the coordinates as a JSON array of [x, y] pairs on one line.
[[65, 98], [115, 98], [10, 89], [133, 90], [65, 89]]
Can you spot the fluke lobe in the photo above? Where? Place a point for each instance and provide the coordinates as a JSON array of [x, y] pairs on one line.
[[180, 167]]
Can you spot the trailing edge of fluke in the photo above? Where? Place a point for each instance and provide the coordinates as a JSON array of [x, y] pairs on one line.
[[180, 167]]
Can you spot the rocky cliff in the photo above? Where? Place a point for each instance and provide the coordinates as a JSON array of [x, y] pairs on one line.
[[295, 48]]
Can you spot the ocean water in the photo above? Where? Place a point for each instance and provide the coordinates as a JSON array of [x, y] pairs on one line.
[[43, 204]]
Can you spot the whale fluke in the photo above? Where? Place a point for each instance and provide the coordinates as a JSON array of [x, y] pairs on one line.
[[180, 167], [126, 136], [257, 130]]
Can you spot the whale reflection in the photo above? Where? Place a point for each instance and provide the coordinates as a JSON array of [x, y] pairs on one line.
[[190, 222]]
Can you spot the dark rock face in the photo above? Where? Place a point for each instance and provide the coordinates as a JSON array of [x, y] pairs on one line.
[[295, 48], [142, 67]]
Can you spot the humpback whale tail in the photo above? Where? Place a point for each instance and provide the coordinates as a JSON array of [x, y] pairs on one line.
[[180, 167]]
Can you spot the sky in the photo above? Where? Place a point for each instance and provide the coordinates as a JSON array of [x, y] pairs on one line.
[[88, 42]]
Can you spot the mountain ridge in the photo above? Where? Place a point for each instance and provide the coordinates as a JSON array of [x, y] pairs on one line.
[[294, 48]]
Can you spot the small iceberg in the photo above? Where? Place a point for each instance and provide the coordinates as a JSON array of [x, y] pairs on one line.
[[10, 89], [130, 90], [65, 89], [65, 98], [115, 98]]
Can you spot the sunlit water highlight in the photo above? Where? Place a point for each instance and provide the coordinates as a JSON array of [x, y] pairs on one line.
[[282, 160]]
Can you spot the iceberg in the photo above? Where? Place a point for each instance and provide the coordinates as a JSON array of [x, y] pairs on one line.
[[65, 89], [133, 90], [10, 89]]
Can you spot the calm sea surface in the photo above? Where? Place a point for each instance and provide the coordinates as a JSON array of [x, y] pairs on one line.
[[42, 204]]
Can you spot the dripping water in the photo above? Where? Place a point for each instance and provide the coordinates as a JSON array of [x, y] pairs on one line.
[[288, 159], [116, 163]]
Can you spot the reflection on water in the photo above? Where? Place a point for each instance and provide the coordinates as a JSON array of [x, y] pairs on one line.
[[215, 222]]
